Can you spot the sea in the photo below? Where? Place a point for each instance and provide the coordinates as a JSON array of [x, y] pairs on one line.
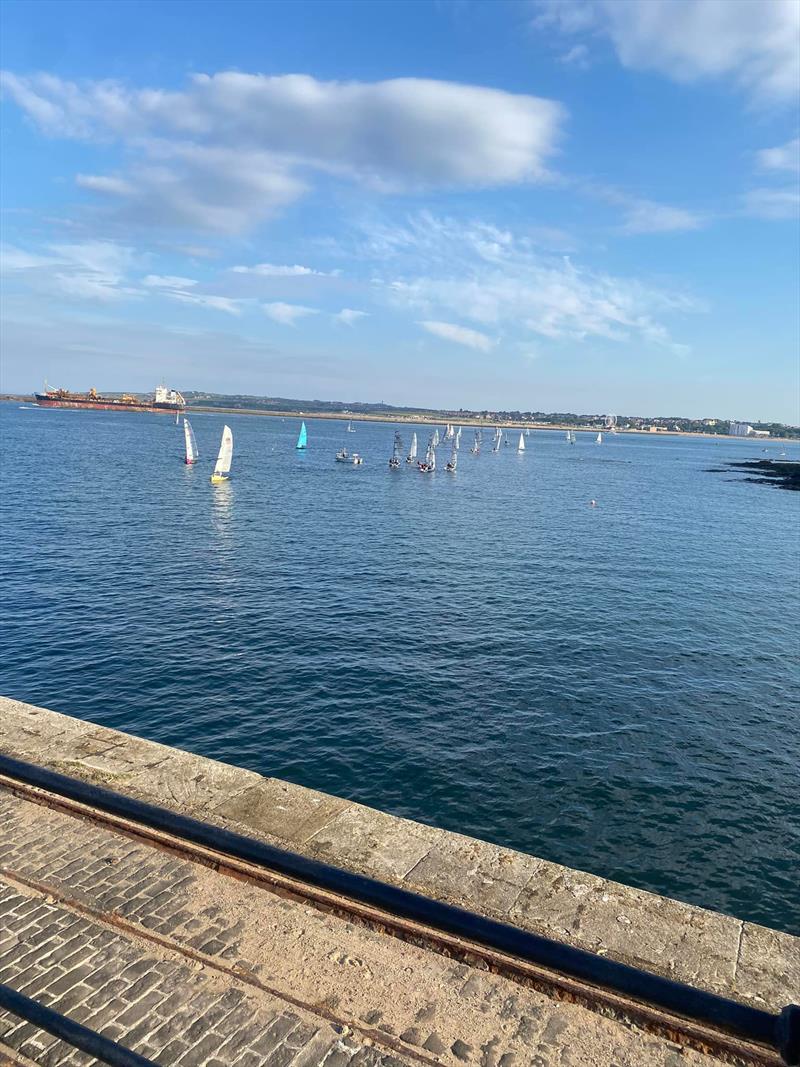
[[611, 687]]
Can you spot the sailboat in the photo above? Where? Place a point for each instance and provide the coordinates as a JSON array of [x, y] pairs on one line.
[[448, 433], [521, 443], [458, 437], [350, 427], [302, 440], [599, 439], [223, 465], [571, 437], [191, 444], [453, 462], [429, 466], [527, 432], [498, 439], [435, 437], [477, 445], [412, 452], [394, 462]]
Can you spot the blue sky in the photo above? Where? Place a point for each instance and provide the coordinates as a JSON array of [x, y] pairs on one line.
[[583, 205]]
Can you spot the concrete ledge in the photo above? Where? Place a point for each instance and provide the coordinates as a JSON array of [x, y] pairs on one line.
[[707, 949]]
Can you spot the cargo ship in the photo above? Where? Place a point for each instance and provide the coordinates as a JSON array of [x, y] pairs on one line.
[[162, 400]]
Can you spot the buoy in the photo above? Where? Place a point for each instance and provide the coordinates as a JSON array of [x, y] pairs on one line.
[[592, 503]]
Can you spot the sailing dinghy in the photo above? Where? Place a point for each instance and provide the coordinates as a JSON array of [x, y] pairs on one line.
[[394, 462], [599, 439], [429, 466], [191, 444], [521, 443], [302, 440], [453, 463], [223, 465], [412, 452]]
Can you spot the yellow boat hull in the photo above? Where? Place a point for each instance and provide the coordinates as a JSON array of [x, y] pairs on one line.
[[218, 479]]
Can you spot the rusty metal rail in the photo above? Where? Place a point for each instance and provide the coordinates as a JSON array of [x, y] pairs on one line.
[[709, 1021]]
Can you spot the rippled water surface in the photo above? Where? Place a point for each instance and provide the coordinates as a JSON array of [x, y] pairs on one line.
[[613, 688]]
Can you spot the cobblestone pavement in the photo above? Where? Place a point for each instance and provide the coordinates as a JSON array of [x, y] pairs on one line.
[[195, 969]]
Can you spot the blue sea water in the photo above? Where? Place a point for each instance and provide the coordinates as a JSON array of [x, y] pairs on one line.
[[613, 688]]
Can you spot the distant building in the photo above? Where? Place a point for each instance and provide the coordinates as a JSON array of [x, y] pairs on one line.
[[740, 429], [760, 433]]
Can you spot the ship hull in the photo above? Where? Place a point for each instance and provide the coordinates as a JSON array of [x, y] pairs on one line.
[[104, 404]]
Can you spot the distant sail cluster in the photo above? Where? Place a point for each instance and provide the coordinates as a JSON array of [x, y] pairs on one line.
[[450, 437]]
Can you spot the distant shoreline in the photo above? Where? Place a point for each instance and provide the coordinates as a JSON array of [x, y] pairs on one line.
[[414, 420], [424, 420]]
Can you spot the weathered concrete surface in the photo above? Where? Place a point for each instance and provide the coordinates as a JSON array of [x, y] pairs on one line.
[[710, 950]]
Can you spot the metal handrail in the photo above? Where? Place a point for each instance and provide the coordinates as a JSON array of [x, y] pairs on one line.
[[780, 1032], [102, 1048]]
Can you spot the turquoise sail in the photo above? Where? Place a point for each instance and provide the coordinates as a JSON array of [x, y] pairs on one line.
[[303, 438]]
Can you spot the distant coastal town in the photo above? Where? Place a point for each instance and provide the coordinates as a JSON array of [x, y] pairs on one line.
[[335, 409]]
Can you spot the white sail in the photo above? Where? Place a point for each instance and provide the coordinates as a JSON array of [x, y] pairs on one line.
[[225, 452], [412, 452], [599, 439], [435, 437], [521, 445], [569, 436], [430, 458], [191, 444]]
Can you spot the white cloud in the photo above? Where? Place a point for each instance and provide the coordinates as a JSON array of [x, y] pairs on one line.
[[461, 335], [218, 303], [444, 267], [784, 157], [17, 259], [89, 270], [645, 216], [272, 270], [754, 42], [287, 314], [350, 315], [168, 281], [773, 204], [233, 148]]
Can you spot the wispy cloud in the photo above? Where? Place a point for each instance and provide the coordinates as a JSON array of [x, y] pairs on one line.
[[168, 281], [89, 270], [783, 157], [287, 314], [460, 335], [348, 316], [231, 149], [273, 270], [773, 204], [444, 267], [207, 300], [646, 216], [756, 43], [577, 57]]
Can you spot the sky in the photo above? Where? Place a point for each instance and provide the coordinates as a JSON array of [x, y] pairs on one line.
[[557, 205]]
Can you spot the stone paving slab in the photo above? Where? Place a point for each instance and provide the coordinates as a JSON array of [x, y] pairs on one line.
[[159, 1006], [714, 951], [195, 968]]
